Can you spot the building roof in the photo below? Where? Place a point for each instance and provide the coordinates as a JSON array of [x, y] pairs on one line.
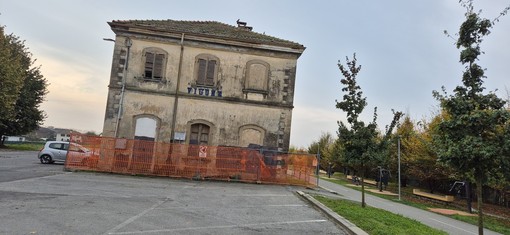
[[207, 29]]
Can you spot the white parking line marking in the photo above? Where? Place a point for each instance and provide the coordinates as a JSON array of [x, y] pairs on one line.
[[128, 221], [59, 173], [258, 206], [261, 195], [219, 227], [453, 226]]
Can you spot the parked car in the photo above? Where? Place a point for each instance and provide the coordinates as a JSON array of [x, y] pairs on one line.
[[56, 151]]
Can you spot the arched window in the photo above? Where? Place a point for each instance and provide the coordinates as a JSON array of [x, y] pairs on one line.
[[206, 69], [145, 128], [199, 134], [155, 61], [251, 134], [143, 146]]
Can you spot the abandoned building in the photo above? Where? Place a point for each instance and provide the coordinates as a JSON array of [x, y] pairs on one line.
[[200, 82]]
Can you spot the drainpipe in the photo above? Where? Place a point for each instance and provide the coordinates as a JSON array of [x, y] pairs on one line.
[[128, 44], [176, 100]]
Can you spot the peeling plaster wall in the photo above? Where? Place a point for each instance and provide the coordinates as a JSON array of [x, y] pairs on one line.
[[270, 110], [229, 118]]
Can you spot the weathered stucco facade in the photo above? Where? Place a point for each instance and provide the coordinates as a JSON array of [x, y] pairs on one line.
[[200, 83]]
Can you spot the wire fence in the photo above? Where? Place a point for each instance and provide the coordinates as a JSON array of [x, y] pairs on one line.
[[128, 156]]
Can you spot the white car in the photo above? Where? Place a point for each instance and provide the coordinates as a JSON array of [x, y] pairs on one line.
[[56, 151]]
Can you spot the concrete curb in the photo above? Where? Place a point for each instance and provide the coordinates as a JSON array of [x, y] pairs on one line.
[[349, 227]]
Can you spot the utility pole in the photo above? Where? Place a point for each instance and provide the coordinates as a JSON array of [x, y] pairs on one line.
[[318, 163], [399, 182]]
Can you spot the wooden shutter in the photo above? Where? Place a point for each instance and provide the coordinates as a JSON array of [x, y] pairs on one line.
[[211, 67], [204, 134], [193, 139], [158, 66], [202, 65], [149, 64]]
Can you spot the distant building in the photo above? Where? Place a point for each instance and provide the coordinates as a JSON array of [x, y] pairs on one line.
[[205, 83], [50, 133], [42, 133], [13, 138], [63, 135]]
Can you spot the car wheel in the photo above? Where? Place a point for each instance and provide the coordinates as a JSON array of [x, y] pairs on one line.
[[46, 159]]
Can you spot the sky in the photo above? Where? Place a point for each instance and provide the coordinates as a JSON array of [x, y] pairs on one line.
[[400, 45]]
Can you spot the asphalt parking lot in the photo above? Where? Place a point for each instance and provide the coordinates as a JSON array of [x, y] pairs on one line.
[[44, 199]]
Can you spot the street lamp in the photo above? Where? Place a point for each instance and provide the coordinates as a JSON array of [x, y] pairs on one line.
[[318, 163], [399, 182]]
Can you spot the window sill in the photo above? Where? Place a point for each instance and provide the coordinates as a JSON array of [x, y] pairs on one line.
[[263, 92], [144, 79]]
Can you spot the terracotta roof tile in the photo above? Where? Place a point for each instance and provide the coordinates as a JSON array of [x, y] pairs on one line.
[[207, 29]]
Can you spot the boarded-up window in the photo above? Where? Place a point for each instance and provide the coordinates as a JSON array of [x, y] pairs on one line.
[[154, 65], [257, 77], [251, 136], [206, 72]]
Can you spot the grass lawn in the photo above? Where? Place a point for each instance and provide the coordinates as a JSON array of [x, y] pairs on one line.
[[491, 223], [25, 146], [500, 225], [376, 221]]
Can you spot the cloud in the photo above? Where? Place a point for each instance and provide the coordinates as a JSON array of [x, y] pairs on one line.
[[77, 93], [308, 123]]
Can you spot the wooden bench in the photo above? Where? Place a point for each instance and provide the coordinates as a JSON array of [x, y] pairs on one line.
[[371, 182], [442, 198]]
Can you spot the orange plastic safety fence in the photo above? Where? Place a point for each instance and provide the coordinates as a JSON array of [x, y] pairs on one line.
[[127, 156]]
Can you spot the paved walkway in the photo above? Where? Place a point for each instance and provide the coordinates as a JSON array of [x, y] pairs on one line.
[[434, 220]]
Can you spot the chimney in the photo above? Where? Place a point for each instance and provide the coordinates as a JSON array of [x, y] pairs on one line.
[[242, 25]]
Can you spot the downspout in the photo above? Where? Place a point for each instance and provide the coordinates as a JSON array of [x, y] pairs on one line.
[[176, 100], [128, 44]]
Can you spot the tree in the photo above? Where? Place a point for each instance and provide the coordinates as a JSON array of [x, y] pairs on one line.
[[326, 146], [418, 158], [473, 136], [91, 133], [362, 146], [22, 88], [10, 78], [294, 149]]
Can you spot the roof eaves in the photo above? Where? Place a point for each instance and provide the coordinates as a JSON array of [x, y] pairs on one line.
[[173, 27]]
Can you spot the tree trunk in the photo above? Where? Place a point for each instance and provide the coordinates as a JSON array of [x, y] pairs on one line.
[[2, 140], [479, 188], [469, 198]]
